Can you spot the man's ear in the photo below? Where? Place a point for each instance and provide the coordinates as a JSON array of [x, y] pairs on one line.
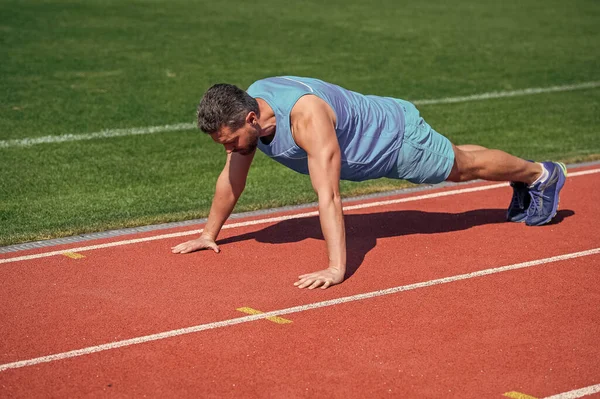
[[251, 118]]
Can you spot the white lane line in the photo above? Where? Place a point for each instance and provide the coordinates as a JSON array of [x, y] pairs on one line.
[[514, 93], [186, 126], [273, 219], [578, 393], [295, 309], [109, 133]]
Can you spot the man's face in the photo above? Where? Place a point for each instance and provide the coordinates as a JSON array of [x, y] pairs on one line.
[[243, 140]]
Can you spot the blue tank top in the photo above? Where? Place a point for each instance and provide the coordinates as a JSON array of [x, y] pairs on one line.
[[369, 128]]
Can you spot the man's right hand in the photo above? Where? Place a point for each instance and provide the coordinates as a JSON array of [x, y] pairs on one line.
[[196, 245]]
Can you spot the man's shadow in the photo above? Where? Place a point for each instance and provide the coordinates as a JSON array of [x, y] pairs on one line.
[[363, 230]]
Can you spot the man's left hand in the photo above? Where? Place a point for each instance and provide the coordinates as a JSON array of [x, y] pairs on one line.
[[322, 278]]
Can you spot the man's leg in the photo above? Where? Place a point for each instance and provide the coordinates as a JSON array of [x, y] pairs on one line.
[[475, 162], [470, 147], [542, 182], [519, 203]]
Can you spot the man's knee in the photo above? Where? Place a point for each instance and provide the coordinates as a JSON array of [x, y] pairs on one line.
[[464, 166]]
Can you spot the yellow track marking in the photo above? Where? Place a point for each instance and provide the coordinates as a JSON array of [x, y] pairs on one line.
[[518, 395], [73, 255], [274, 319]]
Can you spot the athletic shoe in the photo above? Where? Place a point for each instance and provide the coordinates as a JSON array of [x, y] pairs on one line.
[[544, 195], [517, 210]]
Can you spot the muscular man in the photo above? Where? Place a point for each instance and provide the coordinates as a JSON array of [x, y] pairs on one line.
[[331, 133]]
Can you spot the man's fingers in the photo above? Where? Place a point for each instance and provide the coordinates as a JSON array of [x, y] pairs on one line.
[[312, 282], [315, 284], [304, 278], [306, 282], [191, 246], [301, 279], [176, 249], [297, 283]]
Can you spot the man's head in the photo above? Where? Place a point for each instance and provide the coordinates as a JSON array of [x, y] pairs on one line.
[[230, 116]]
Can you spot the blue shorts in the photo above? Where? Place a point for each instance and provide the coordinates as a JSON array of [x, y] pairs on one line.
[[425, 155]]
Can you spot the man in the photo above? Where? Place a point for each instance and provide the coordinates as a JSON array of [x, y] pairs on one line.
[[331, 133]]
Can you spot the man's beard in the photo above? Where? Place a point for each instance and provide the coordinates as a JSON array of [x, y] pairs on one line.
[[251, 147]]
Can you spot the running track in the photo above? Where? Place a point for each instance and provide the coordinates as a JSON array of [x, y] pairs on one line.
[[518, 314]]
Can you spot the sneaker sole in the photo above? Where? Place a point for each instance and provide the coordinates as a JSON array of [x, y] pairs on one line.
[[520, 219]]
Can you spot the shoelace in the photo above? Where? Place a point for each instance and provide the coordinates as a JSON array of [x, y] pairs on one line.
[[537, 202]]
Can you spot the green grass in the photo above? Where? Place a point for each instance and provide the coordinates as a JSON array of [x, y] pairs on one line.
[[79, 67]]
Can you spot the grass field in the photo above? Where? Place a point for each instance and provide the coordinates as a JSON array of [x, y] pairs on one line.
[[80, 67]]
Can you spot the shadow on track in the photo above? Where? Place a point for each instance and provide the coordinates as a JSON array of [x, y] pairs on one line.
[[362, 231]]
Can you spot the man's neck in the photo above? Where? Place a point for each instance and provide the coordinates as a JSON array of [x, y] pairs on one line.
[[267, 118]]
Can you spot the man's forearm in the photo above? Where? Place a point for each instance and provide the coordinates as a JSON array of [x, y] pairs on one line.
[[224, 201], [332, 225]]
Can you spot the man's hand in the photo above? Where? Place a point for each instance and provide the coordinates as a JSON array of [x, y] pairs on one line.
[[195, 245], [323, 278]]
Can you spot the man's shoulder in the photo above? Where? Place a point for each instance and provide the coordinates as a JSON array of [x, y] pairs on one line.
[[282, 92], [263, 86], [266, 80], [285, 82], [311, 107], [310, 102]]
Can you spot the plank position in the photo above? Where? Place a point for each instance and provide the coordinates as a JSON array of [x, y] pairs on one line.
[[331, 133]]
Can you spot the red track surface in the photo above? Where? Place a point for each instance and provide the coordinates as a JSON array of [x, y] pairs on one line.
[[534, 330]]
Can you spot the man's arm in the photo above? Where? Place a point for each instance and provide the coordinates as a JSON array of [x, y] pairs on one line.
[[229, 188], [313, 124]]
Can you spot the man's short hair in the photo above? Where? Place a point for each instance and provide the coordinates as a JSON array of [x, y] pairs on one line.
[[224, 105]]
